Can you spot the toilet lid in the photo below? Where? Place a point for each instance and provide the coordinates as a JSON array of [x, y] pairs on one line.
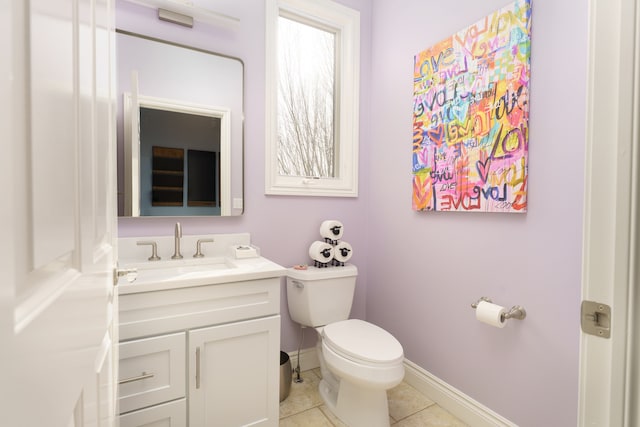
[[361, 340]]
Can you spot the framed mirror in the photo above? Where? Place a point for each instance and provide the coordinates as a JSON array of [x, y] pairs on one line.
[[180, 129]]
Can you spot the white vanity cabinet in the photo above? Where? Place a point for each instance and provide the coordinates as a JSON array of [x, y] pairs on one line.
[[200, 356]]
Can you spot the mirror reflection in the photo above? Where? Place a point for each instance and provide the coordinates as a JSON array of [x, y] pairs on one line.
[[180, 130]]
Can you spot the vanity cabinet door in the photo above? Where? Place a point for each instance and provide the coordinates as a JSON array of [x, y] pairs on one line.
[[234, 374]]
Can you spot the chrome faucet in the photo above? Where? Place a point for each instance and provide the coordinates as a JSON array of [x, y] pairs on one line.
[[178, 236]]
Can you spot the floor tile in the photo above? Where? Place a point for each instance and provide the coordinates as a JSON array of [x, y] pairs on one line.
[[310, 418], [433, 416], [407, 407], [405, 400], [334, 420], [303, 396]]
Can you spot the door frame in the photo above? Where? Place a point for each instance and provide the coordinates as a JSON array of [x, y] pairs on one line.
[[610, 225]]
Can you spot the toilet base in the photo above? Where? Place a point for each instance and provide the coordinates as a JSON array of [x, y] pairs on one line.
[[353, 404], [356, 406]]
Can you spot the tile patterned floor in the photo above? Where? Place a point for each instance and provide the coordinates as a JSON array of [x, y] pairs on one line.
[[407, 407]]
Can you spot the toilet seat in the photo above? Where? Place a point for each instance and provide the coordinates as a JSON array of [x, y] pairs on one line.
[[363, 342]]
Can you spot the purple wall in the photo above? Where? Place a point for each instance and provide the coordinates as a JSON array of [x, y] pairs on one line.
[[282, 226], [431, 266], [419, 272]]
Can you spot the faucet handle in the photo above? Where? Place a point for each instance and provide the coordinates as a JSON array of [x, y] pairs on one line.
[[177, 236], [154, 249], [199, 253]]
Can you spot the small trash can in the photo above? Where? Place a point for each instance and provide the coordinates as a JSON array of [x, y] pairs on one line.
[[285, 375]]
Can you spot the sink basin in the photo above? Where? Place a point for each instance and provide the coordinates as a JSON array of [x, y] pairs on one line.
[[186, 263], [167, 274], [179, 270], [183, 272]]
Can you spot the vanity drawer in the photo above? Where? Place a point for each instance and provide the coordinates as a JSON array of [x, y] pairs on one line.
[[172, 414], [152, 371], [151, 313]]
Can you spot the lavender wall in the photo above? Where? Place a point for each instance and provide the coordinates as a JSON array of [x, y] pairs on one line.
[[420, 271], [282, 226], [431, 266]]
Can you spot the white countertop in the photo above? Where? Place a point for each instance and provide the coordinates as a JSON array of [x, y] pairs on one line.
[[172, 274]]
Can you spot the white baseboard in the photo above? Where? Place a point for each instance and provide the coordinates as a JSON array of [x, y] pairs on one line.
[[308, 359], [453, 400]]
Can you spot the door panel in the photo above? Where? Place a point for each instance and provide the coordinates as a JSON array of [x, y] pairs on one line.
[[57, 299], [51, 118]]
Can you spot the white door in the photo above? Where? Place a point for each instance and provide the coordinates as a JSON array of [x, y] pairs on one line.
[[57, 300], [610, 368]]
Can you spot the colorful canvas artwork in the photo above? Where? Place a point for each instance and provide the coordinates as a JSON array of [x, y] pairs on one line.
[[471, 116]]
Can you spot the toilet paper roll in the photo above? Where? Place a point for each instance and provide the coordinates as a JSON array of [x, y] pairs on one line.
[[342, 252], [491, 314], [321, 251], [331, 230]]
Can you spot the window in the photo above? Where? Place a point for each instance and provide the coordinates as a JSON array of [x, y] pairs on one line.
[[312, 98]]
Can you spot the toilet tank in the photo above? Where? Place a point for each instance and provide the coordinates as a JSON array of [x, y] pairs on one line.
[[319, 296]]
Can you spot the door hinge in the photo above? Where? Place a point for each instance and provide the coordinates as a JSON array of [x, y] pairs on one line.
[[595, 319]]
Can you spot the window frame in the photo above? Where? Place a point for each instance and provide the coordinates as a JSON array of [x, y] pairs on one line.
[[346, 23]]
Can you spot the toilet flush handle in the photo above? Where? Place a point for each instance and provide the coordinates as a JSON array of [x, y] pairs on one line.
[[297, 284]]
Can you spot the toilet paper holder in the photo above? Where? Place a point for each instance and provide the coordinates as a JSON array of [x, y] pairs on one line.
[[516, 312]]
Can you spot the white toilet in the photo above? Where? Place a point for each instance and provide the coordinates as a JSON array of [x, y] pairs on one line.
[[359, 361]]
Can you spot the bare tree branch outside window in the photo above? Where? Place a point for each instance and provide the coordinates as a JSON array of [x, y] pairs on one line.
[[306, 81]]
